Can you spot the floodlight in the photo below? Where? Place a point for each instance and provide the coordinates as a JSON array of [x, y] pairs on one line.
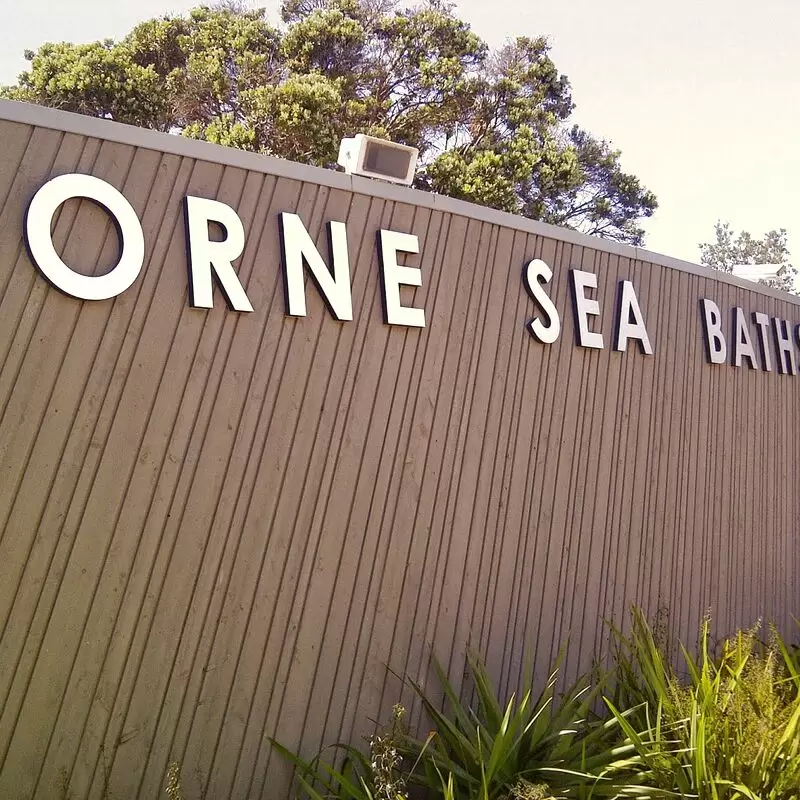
[[378, 158]]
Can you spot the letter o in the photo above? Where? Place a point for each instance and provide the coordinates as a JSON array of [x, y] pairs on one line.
[[39, 217]]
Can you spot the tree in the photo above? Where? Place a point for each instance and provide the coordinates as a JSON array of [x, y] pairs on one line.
[[730, 249], [491, 127]]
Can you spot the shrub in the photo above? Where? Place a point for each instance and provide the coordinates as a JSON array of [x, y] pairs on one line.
[[532, 747], [729, 730], [376, 775], [537, 747]]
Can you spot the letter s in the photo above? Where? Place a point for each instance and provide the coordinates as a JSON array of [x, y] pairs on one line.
[[534, 275]]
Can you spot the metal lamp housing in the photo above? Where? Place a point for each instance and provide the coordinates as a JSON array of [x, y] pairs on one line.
[[378, 158]]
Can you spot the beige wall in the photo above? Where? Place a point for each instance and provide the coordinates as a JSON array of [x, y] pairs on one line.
[[218, 527]]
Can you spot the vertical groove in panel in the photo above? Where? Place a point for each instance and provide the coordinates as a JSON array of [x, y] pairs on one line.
[[98, 350], [420, 424], [405, 342], [456, 428], [226, 334], [131, 482], [186, 616], [323, 510], [28, 732], [246, 445], [197, 514], [521, 639], [699, 496]]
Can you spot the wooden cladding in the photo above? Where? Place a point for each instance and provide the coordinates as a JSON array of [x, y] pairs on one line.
[[219, 527]]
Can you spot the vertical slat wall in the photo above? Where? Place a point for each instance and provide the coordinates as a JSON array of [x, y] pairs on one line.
[[218, 527]]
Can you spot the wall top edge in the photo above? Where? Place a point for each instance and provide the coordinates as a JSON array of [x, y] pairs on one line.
[[92, 127]]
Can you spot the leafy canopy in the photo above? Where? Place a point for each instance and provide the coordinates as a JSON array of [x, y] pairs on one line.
[[729, 250], [492, 127]]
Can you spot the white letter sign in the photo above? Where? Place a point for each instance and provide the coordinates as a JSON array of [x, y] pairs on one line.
[[630, 322], [298, 245], [394, 275], [206, 256], [585, 307], [742, 343], [716, 347], [534, 275], [39, 218]]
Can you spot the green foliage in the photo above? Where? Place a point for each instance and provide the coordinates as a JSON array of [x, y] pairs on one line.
[[729, 250], [536, 747], [101, 80], [730, 730], [532, 746], [377, 775], [491, 127]]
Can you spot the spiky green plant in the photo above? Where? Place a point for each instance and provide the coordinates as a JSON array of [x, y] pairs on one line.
[[730, 730], [727, 729], [535, 745], [352, 774]]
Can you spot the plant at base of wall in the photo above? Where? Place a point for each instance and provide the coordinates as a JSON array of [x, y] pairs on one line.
[[377, 775], [730, 731], [534, 747]]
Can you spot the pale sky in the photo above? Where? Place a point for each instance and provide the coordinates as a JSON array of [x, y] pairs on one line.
[[701, 96]]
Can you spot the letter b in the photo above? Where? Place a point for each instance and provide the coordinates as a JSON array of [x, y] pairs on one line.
[[716, 348]]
